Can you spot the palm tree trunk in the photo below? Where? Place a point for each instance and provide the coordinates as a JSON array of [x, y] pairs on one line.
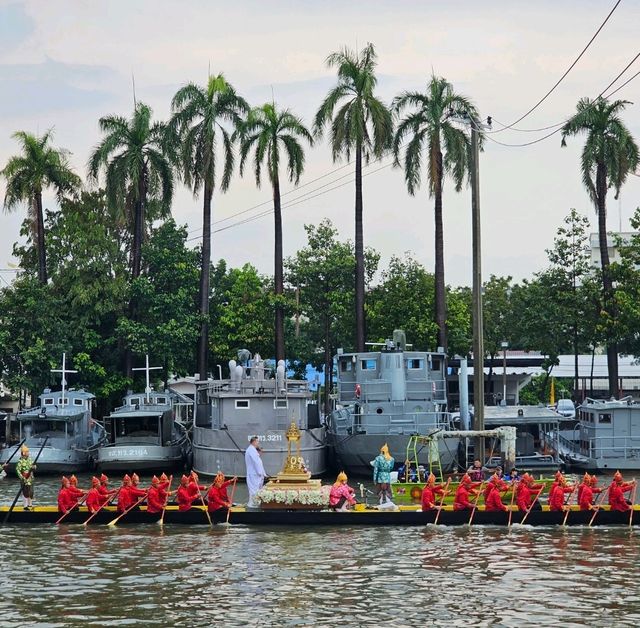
[[440, 298], [607, 284], [278, 275], [40, 243], [360, 318], [203, 340]]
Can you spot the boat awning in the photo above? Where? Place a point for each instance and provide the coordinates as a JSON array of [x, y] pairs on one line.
[[68, 418]]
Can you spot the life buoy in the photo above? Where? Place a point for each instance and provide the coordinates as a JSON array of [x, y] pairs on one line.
[[358, 391], [416, 493]]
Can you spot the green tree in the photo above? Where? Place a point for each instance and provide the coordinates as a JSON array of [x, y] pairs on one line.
[[205, 119], [609, 154], [274, 134], [38, 167], [135, 160], [362, 126], [322, 272], [430, 127]]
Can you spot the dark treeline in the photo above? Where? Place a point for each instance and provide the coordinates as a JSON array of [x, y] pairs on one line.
[[109, 276]]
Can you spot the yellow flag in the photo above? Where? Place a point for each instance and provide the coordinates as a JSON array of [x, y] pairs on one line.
[[552, 393]]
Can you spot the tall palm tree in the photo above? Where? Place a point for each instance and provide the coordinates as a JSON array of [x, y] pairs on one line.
[[205, 118], [610, 153], [430, 127], [273, 134], [136, 163], [38, 167], [362, 126]]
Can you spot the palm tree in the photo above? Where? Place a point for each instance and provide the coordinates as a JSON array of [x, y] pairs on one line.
[[201, 120], [610, 153], [135, 160], [362, 126], [274, 134], [38, 167], [429, 127]]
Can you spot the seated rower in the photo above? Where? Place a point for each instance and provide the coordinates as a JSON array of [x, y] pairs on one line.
[[429, 493], [492, 499], [558, 490], [617, 490], [589, 488], [184, 496], [66, 501], [105, 492], [465, 489], [195, 488], [129, 494], [524, 494], [217, 496], [157, 495], [586, 480], [94, 499], [342, 496], [73, 488]]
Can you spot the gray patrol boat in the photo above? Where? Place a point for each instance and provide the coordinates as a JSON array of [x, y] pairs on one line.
[[145, 433], [386, 396], [64, 419], [253, 403]]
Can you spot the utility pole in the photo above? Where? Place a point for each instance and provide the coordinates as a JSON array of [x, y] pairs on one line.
[[478, 340]]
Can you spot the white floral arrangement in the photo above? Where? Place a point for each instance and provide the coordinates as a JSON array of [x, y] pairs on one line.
[[289, 497]]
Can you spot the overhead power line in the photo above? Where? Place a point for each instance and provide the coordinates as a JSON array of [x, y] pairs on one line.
[[532, 109]]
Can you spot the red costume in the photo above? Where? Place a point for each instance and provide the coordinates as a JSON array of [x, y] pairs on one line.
[[94, 497], [524, 492], [183, 495], [195, 489], [586, 495], [556, 497], [73, 488], [104, 491], [217, 496], [617, 490], [493, 501], [66, 500], [157, 496], [128, 495], [429, 493], [466, 488]]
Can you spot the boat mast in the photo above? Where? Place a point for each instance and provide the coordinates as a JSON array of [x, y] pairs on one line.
[[146, 369], [64, 371]]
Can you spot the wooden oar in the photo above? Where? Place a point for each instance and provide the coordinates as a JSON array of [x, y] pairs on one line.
[[633, 499], [206, 510], [531, 505], [78, 503], [475, 505], [3, 473], [166, 501], [596, 508], [109, 500], [114, 521], [13, 505], [566, 514], [444, 494], [514, 486], [233, 492]]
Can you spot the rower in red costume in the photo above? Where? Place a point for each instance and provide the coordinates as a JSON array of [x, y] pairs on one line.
[[585, 499], [586, 481], [105, 492], [557, 493], [525, 491], [73, 488], [195, 488], [497, 481], [129, 493], [157, 495], [465, 489], [94, 497], [66, 500], [217, 496], [183, 494], [429, 493], [617, 490], [492, 499]]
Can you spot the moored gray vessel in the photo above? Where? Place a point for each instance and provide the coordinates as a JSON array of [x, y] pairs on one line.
[[253, 403], [386, 396]]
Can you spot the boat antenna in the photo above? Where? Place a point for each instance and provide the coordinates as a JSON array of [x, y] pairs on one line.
[[146, 369], [64, 370]]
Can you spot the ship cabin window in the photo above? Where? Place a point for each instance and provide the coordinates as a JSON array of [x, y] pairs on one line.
[[415, 363], [48, 401], [134, 400], [345, 365], [64, 402], [280, 403], [242, 404], [367, 365], [161, 400], [604, 417], [77, 402], [435, 364]]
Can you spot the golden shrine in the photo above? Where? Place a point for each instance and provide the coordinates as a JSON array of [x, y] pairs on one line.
[[293, 486]]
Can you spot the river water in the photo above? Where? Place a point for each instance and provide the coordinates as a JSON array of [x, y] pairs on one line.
[[341, 576]]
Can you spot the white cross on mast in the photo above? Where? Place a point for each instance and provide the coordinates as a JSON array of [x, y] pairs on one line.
[[64, 370], [147, 368]]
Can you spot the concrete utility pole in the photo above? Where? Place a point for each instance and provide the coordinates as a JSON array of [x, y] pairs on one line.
[[478, 340]]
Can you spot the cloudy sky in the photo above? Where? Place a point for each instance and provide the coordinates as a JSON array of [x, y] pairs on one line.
[[65, 64]]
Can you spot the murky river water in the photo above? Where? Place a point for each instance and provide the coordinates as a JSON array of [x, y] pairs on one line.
[[238, 576]]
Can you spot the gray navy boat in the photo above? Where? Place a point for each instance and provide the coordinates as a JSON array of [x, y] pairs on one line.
[[386, 396], [251, 403], [64, 419]]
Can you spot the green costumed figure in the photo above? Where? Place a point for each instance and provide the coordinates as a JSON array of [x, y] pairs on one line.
[[24, 470], [382, 467]]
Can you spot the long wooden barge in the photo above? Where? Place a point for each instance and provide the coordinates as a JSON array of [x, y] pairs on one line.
[[405, 516]]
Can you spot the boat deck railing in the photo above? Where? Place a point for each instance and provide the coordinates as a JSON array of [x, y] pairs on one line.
[[600, 447], [381, 390], [408, 423], [257, 387]]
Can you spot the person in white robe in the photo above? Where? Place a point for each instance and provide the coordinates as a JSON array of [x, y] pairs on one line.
[[255, 471]]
